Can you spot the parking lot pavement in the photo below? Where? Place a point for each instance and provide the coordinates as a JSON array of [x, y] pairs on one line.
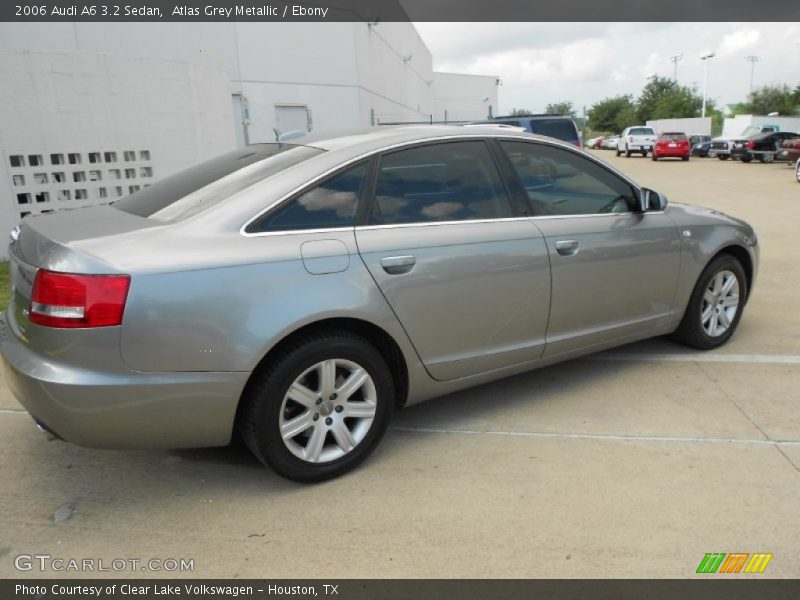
[[632, 463]]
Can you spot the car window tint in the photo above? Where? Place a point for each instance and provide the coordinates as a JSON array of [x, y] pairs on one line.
[[197, 188], [455, 181], [641, 131], [560, 129], [329, 204], [560, 182]]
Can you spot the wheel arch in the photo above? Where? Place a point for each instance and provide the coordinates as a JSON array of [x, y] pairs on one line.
[[741, 254], [385, 344]]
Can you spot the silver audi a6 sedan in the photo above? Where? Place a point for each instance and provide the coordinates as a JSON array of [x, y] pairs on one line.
[[299, 293]]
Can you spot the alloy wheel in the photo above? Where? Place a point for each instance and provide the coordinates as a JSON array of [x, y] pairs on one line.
[[720, 303], [328, 410]]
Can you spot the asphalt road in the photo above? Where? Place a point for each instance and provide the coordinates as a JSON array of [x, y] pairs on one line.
[[632, 463]]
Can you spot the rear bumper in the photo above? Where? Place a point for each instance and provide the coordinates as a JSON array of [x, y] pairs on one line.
[[121, 409], [670, 153]]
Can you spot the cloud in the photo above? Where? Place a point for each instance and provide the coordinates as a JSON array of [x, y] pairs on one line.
[[736, 42]]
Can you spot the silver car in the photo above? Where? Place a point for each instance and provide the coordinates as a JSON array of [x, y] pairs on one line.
[[300, 293]]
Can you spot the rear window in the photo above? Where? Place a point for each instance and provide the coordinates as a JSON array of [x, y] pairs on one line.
[[197, 188], [561, 129], [641, 131], [672, 137]]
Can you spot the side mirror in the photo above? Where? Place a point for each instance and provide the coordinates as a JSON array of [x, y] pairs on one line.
[[653, 201]]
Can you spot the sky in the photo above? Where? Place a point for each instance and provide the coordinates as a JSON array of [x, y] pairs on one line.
[[542, 63]]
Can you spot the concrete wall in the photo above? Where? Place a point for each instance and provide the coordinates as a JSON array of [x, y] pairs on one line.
[[464, 97], [692, 126], [734, 126], [127, 121]]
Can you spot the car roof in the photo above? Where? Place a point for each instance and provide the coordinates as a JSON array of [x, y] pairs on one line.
[[373, 139]]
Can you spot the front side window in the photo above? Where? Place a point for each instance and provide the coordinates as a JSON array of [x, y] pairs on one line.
[[329, 204], [453, 181], [560, 182]]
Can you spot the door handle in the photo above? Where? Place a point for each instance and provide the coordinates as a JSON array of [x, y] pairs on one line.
[[567, 247], [397, 265]]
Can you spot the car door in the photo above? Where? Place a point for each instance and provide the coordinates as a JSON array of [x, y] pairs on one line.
[[468, 280], [614, 268]]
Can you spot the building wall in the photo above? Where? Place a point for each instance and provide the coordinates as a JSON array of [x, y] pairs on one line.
[[79, 129], [464, 97], [689, 126]]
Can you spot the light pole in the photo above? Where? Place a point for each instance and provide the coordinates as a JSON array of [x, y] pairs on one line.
[[752, 60], [706, 57], [674, 59]]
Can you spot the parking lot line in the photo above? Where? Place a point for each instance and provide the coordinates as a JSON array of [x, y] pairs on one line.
[[13, 411], [607, 437], [775, 359]]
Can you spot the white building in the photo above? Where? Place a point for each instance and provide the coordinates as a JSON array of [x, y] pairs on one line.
[[92, 111]]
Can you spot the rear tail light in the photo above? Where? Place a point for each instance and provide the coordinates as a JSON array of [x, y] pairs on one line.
[[751, 144], [71, 300]]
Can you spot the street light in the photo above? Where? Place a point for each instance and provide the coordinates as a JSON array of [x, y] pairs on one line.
[[674, 59], [706, 57], [752, 60]]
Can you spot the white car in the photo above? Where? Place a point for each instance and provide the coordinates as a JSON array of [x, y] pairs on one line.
[[610, 143], [797, 170], [636, 139]]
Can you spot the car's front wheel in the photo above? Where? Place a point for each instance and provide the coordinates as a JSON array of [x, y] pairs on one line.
[[319, 408], [716, 305], [711, 154], [767, 157]]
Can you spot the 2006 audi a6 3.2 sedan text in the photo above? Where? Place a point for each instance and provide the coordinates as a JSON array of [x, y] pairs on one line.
[[299, 293]]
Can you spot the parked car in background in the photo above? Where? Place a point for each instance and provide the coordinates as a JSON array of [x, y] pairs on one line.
[[699, 139], [722, 146], [763, 146], [789, 151], [560, 127], [299, 293], [797, 170], [609, 143], [595, 142], [636, 139], [673, 144], [703, 148]]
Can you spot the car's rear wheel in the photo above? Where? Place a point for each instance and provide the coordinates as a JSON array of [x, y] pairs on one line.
[[722, 156], [684, 158], [618, 152], [644, 153], [627, 153], [711, 154], [716, 305], [654, 157], [747, 159], [319, 408], [797, 171], [767, 157]]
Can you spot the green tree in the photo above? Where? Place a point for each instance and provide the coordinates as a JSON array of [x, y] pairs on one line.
[[663, 98], [610, 113], [520, 112], [773, 98], [561, 108]]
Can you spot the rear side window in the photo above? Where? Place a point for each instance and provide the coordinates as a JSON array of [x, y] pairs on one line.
[[641, 131], [455, 181], [329, 204], [673, 137], [560, 182], [194, 190], [561, 129]]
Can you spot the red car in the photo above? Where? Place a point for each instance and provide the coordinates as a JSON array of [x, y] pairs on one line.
[[673, 145]]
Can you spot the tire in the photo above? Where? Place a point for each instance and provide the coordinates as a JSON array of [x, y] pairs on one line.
[[698, 333], [684, 158], [747, 159], [767, 157], [627, 153], [797, 171], [711, 154], [654, 158], [267, 405], [644, 153], [618, 152], [722, 156]]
